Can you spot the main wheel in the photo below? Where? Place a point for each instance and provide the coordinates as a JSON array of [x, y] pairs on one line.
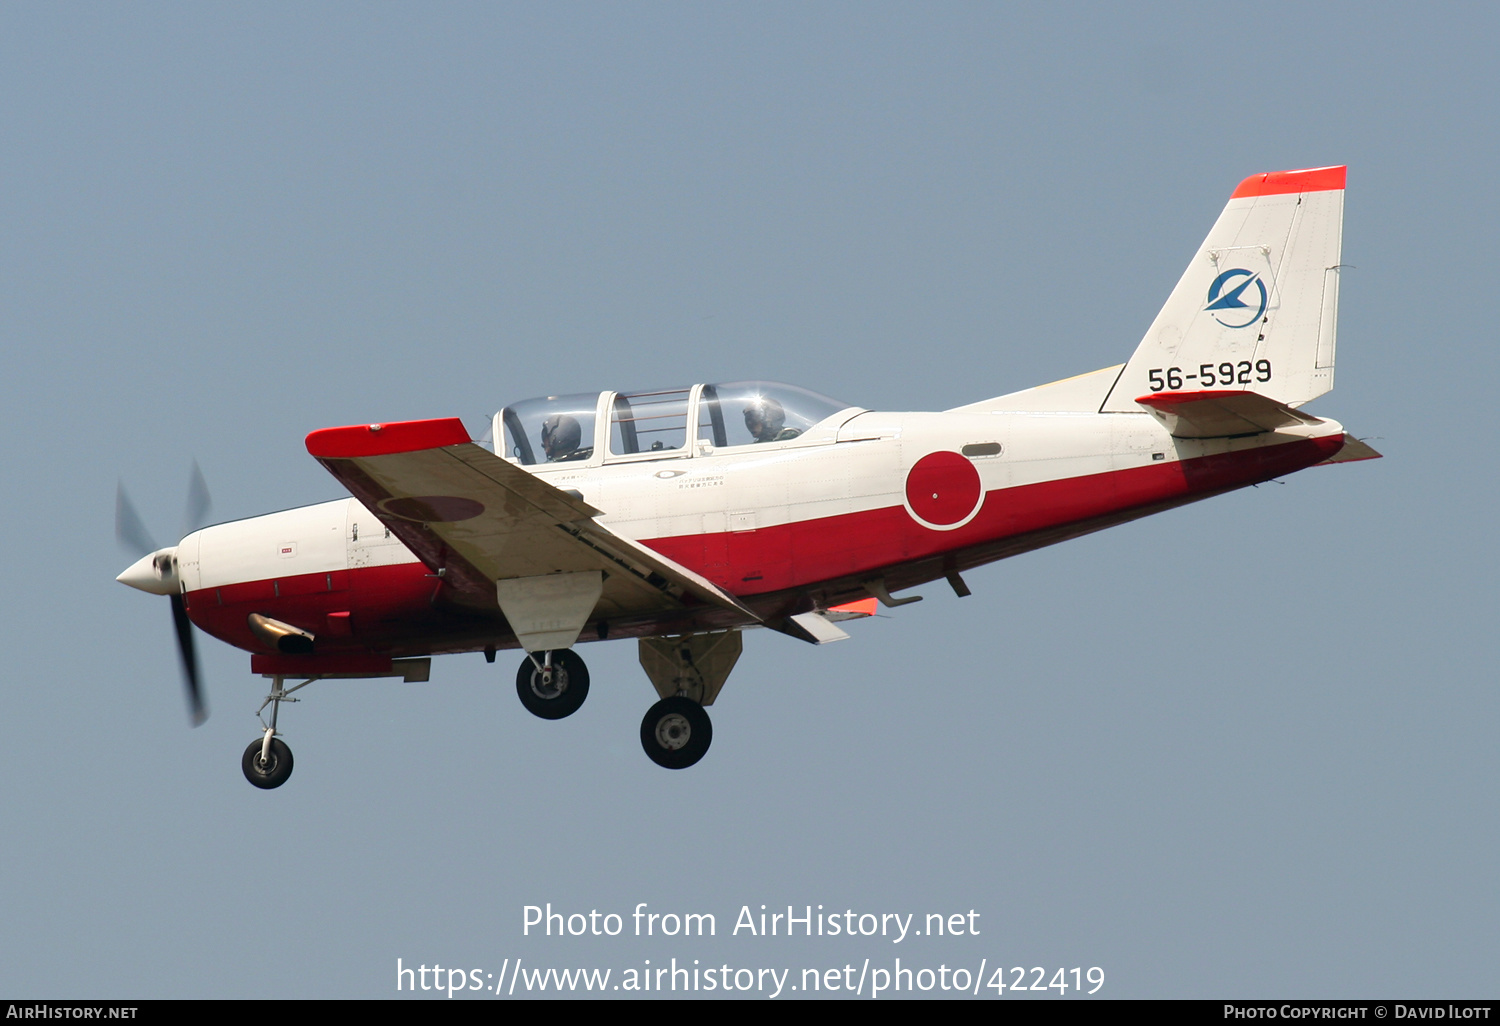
[[676, 732], [274, 771], [568, 689]]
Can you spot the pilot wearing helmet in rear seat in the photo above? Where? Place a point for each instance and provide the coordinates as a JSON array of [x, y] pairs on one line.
[[765, 419], [561, 436]]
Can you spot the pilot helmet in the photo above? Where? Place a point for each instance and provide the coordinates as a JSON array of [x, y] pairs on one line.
[[560, 435], [764, 418]]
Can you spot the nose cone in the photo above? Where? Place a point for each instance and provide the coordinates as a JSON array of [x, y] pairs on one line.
[[156, 573]]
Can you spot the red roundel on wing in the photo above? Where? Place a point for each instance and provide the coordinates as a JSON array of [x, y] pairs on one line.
[[943, 488]]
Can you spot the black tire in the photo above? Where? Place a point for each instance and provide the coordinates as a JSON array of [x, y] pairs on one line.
[[276, 770], [676, 732], [570, 685]]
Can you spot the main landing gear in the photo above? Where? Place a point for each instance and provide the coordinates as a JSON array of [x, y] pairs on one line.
[[676, 732], [552, 684], [687, 672]]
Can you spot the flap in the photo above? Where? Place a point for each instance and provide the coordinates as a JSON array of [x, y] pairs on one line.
[[813, 627]]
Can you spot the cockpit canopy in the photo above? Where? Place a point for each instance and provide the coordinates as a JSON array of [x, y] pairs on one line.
[[565, 428]]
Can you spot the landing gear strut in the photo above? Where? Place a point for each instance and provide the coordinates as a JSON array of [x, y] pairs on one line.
[[552, 684], [676, 732]]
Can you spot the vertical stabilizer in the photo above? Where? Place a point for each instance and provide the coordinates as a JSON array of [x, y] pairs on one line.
[[1256, 309]]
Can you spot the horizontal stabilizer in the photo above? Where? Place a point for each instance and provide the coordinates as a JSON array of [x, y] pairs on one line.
[[853, 610], [1352, 451], [1221, 414]]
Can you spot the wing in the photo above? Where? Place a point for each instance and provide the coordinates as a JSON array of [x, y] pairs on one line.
[[478, 520]]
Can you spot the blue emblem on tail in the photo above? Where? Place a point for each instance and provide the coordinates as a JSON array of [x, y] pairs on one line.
[[1222, 296]]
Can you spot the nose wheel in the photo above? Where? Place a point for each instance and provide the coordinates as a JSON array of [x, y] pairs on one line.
[[265, 765], [676, 732], [552, 684]]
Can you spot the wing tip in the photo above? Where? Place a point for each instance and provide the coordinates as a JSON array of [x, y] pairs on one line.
[[358, 440]]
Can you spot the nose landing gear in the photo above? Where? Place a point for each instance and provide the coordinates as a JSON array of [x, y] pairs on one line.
[[267, 762]]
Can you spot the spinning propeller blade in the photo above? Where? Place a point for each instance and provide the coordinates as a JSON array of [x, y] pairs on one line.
[[130, 530], [198, 503], [197, 710], [162, 573]]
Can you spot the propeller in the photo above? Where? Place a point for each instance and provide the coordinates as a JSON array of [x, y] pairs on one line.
[[156, 572]]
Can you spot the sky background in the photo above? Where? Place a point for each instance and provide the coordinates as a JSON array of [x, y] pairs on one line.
[[1245, 748]]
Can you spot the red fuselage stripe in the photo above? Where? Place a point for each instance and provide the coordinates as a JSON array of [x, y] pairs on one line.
[[806, 552]]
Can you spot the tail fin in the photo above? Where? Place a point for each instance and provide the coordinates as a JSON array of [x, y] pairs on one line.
[[1256, 309]]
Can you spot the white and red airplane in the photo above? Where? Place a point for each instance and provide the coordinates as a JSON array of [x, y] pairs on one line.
[[680, 517]]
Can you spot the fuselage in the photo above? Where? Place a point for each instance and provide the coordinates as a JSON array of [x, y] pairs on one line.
[[793, 524]]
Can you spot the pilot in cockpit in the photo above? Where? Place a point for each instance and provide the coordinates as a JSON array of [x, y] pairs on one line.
[[765, 419], [561, 436]]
